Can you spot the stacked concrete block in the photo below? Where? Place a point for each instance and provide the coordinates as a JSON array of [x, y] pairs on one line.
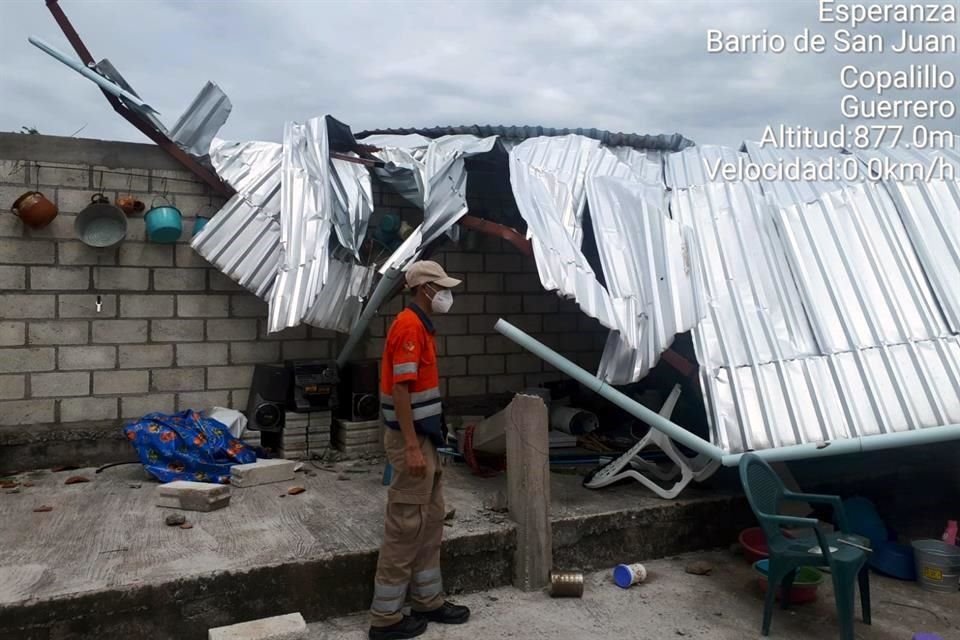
[[262, 472], [355, 439], [192, 496], [305, 434]]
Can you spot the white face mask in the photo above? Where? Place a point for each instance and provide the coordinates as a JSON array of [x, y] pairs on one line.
[[442, 301]]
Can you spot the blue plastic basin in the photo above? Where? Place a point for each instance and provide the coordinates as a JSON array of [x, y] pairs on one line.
[[164, 224]]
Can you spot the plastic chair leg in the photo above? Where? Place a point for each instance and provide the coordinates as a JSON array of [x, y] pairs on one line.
[[768, 604], [843, 591], [864, 579], [785, 589]]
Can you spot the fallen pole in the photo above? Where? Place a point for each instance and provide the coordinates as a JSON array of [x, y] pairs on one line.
[[862, 444]]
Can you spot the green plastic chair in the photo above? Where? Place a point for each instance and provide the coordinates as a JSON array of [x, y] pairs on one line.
[[847, 563]]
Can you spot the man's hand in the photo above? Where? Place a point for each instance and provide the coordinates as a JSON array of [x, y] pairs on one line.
[[416, 465]]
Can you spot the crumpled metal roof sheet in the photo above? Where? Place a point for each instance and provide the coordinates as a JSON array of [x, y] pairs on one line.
[[662, 142], [788, 192], [197, 126], [695, 166], [821, 398], [754, 311], [441, 179], [648, 297], [858, 274], [340, 301], [305, 222]]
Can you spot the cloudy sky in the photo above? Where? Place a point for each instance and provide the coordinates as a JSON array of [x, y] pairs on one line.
[[624, 66]]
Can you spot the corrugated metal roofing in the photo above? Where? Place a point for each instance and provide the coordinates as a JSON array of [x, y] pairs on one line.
[[661, 142]]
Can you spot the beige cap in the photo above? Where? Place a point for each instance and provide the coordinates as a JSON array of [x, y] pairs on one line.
[[428, 271]]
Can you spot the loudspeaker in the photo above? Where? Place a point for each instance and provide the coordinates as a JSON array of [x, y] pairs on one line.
[[359, 391], [267, 403]]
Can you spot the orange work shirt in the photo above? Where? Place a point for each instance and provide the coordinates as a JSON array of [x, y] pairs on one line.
[[410, 355]]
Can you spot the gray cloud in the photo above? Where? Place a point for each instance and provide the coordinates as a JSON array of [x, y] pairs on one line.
[[631, 66]]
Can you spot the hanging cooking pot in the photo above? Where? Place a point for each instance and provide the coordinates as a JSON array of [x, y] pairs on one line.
[[130, 205], [164, 224], [34, 209], [101, 224]]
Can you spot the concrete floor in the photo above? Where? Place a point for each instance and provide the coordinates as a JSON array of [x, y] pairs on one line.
[[726, 605], [108, 533]]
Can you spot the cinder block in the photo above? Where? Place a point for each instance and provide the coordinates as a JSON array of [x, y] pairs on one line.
[[467, 303], [203, 306], [503, 263], [12, 334], [85, 305], [467, 386], [248, 306], [23, 305], [12, 278], [286, 627], [146, 306], [72, 200], [27, 251], [214, 353], [524, 283], [499, 344], [123, 180], [543, 303], [26, 412], [527, 322], [58, 385], [176, 330], [484, 282], [26, 360], [485, 365], [135, 254], [177, 380], [202, 400], [179, 279], [229, 377], [12, 387], [63, 175], [254, 352], [306, 349], [220, 282], [63, 332], [244, 329], [464, 345], [504, 303], [448, 325], [459, 263], [57, 278], [120, 382], [261, 472], [79, 254], [61, 228], [505, 384], [300, 332], [121, 278], [79, 358], [524, 363], [10, 226], [452, 366], [138, 406], [187, 257], [193, 496], [14, 171], [119, 331], [350, 433], [175, 181], [483, 324], [560, 323], [146, 356], [83, 409]]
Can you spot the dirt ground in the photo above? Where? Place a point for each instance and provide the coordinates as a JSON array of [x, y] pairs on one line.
[[725, 605]]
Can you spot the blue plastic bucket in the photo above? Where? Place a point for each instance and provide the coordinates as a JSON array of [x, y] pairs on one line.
[[164, 224], [200, 224]]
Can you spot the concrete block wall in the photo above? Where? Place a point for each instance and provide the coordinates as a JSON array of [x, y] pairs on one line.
[[107, 335]]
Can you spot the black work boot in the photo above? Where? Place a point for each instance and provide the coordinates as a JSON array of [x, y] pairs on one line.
[[447, 613], [409, 627]]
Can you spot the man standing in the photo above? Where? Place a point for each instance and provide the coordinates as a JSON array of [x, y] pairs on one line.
[[411, 405]]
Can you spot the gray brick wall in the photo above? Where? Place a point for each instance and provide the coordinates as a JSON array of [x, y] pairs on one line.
[[170, 332]]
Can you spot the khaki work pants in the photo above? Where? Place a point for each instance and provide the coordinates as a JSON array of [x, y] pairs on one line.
[[413, 528]]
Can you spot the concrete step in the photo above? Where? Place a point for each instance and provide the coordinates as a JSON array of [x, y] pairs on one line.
[[314, 553]]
